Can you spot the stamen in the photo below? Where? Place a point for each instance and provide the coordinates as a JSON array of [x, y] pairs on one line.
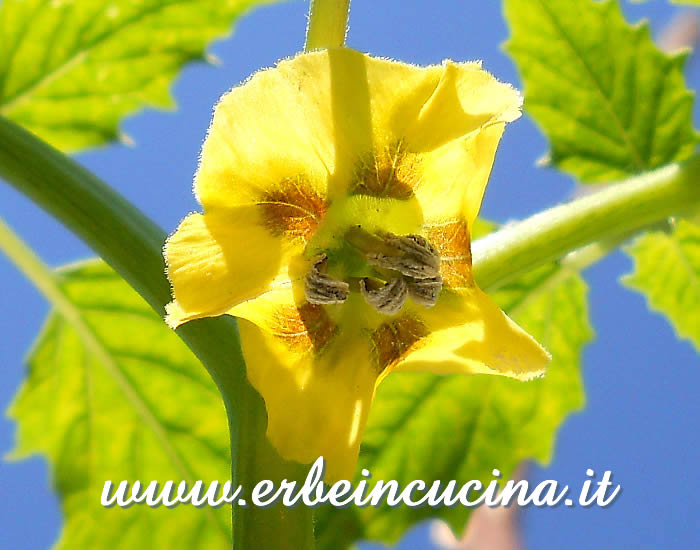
[[387, 299], [409, 263], [412, 256], [319, 288], [425, 292], [416, 245]]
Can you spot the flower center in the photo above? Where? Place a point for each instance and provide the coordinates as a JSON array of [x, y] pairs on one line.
[[398, 267]]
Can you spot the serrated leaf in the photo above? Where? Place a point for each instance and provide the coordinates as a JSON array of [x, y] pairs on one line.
[[667, 272], [610, 102], [71, 70], [114, 394], [428, 427]]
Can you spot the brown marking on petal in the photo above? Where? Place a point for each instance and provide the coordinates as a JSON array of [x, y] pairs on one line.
[[392, 340], [453, 242], [391, 173], [304, 328], [293, 209]]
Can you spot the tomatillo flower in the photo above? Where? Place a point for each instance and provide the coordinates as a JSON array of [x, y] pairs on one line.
[[339, 193]]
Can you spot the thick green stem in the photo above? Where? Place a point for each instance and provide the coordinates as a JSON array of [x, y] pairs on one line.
[[129, 241], [328, 24], [277, 527], [618, 210], [132, 244]]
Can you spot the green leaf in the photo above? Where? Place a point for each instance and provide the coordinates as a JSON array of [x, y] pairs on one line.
[[429, 427], [113, 394], [70, 71], [667, 272], [610, 102]]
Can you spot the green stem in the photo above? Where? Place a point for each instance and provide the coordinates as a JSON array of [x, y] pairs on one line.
[[129, 241], [132, 244], [328, 24], [619, 210], [276, 527]]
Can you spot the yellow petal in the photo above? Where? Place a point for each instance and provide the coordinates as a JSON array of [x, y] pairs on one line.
[[317, 381], [218, 259], [452, 240], [263, 135], [469, 334], [466, 100], [456, 135], [455, 176], [329, 123], [367, 105], [318, 116]]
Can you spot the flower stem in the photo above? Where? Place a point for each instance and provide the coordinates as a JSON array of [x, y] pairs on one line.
[[115, 229], [276, 527], [619, 210], [131, 243], [328, 24]]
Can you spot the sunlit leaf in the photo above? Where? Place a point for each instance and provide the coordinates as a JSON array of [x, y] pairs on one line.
[[667, 272], [610, 102], [456, 427], [113, 394], [71, 70]]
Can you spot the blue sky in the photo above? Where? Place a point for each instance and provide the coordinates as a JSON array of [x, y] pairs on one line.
[[642, 407]]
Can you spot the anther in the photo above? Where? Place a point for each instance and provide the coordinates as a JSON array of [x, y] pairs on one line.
[[387, 299], [412, 256], [319, 288], [425, 292]]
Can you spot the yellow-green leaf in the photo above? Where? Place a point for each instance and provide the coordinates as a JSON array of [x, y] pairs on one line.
[[71, 70], [113, 394], [667, 272], [610, 102]]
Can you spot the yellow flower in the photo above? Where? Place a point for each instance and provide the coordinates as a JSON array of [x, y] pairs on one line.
[[339, 192]]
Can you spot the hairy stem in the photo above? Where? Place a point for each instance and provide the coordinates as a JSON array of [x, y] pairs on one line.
[[328, 23], [619, 210]]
